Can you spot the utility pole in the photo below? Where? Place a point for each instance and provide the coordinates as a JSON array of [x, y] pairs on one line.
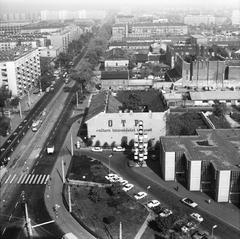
[[77, 98], [63, 172], [28, 221], [120, 231], [29, 99], [20, 109], [71, 145], [69, 199]]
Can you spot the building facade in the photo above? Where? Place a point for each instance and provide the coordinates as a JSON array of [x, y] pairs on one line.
[[106, 124], [20, 70], [206, 162], [196, 20]]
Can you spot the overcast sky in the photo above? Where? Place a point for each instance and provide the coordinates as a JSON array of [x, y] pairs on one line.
[[8, 6]]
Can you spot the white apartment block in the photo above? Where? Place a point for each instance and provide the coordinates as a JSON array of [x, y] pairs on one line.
[[20, 69], [236, 17], [196, 20]]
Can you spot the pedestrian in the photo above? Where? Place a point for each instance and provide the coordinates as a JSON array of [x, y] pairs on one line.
[[209, 200], [177, 188]]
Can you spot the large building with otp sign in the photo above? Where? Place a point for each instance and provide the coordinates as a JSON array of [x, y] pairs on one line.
[[107, 124]]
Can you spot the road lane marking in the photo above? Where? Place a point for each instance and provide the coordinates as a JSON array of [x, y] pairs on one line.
[[38, 161], [13, 178], [10, 217], [24, 178], [33, 176], [39, 179], [43, 179], [8, 178], [16, 204], [47, 179], [4, 230], [33, 171], [35, 179], [27, 178]]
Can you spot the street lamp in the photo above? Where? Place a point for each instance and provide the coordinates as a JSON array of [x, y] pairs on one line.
[[109, 162], [147, 192], [213, 228]]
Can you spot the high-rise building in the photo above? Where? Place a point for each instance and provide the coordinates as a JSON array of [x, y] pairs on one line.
[[196, 20], [236, 17]]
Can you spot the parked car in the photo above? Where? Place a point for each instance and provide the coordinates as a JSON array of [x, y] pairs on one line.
[[192, 225], [118, 149], [111, 175], [97, 149], [123, 182], [140, 195], [196, 216], [189, 202], [184, 229], [165, 213], [128, 187], [153, 203], [200, 234], [131, 163]]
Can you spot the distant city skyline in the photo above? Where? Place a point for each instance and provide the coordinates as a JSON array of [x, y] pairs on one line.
[[15, 6]]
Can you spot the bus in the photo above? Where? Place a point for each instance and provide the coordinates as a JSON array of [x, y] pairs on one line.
[[36, 125]]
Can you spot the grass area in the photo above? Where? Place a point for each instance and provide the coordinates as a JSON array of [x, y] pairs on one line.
[[95, 214], [219, 122]]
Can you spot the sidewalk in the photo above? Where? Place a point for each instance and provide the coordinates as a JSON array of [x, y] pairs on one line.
[[15, 118]]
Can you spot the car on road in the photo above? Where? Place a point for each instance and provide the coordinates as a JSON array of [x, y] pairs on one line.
[[196, 216], [97, 149], [127, 187], [153, 203], [140, 195], [165, 213], [189, 202], [118, 149]]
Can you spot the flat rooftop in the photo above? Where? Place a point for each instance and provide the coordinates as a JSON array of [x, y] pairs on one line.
[[221, 146]]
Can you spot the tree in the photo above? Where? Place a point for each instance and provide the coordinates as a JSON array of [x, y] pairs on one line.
[[219, 108], [165, 223], [115, 189], [133, 102], [95, 194], [5, 94], [5, 126], [15, 101]]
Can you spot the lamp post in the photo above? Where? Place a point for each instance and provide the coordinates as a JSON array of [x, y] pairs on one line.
[[147, 192], [109, 162], [212, 229]]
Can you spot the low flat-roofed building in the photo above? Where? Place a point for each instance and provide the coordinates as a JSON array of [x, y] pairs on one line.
[[206, 98], [198, 39], [209, 161]]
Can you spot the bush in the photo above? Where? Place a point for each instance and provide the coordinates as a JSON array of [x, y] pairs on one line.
[[95, 194]]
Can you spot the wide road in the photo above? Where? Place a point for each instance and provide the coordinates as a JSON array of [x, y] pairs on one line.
[[136, 176]]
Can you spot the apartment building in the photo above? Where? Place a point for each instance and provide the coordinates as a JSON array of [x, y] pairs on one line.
[[20, 69], [142, 30], [236, 17], [196, 20]]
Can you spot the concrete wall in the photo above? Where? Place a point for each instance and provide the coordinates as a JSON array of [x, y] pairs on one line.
[[223, 185], [194, 182], [115, 127]]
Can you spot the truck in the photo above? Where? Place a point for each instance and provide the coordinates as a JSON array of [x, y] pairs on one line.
[[50, 149], [69, 236]]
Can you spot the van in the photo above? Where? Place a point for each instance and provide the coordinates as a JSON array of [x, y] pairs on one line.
[[69, 236]]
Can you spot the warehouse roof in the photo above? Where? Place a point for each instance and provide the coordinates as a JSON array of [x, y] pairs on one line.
[[220, 146], [214, 95]]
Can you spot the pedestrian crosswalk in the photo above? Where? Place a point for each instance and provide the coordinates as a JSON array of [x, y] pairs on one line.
[[27, 179]]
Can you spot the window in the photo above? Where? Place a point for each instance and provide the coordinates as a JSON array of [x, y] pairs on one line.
[[205, 101]]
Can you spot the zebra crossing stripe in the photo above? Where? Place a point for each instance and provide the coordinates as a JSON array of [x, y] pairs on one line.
[[8, 178], [20, 178], [24, 178], [29, 176], [43, 179], [33, 176], [35, 179], [13, 178], [47, 179], [40, 176]]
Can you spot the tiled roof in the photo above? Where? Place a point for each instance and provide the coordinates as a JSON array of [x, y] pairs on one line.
[[153, 57], [97, 105], [110, 75], [173, 74], [150, 98], [115, 53], [141, 57]]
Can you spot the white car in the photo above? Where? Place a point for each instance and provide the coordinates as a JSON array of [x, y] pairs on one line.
[[124, 182], [111, 176], [118, 149], [116, 179], [140, 195], [185, 229], [196, 216], [128, 187], [189, 202], [165, 213], [97, 149], [153, 203]]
